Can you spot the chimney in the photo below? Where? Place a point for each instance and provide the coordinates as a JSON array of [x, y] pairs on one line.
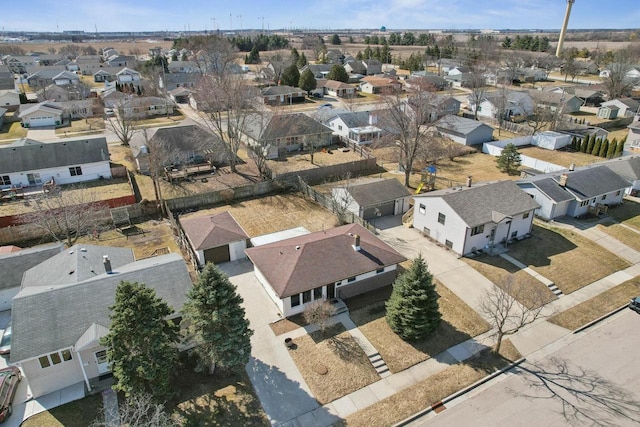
[[469, 181], [107, 264], [356, 242], [572, 167], [563, 180]]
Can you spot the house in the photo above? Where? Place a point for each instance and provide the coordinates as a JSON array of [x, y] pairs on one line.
[[13, 265], [45, 113], [474, 217], [274, 95], [372, 66], [183, 67], [627, 168], [128, 76], [7, 81], [180, 95], [575, 193], [335, 56], [105, 75], [587, 67], [608, 112], [458, 71], [73, 92], [530, 75], [215, 238], [377, 85], [567, 103], [280, 134], [27, 162], [147, 106], [632, 74], [176, 80], [120, 61], [9, 100], [46, 77], [341, 262], [320, 71], [47, 60], [632, 145], [508, 103], [627, 107], [419, 82], [589, 97], [374, 198], [19, 63], [72, 293], [430, 106], [464, 131], [339, 89], [356, 127], [355, 67]]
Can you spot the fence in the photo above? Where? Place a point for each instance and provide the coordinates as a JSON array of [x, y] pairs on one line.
[[183, 242], [316, 176], [495, 149]]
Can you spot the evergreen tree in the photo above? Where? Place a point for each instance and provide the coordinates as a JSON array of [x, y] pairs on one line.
[[412, 308], [254, 56], [217, 322], [359, 56], [139, 91], [584, 144], [574, 142], [294, 55], [174, 57], [335, 39], [302, 61], [604, 148], [185, 57], [141, 343], [611, 150], [620, 147], [509, 160], [338, 73], [596, 147], [307, 81], [290, 76], [590, 144], [368, 53]]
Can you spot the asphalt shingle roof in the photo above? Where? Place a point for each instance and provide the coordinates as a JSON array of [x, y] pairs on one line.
[[459, 124], [374, 193], [14, 264], [212, 231], [592, 182]]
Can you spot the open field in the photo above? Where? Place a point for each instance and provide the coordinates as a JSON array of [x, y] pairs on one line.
[[276, 213], [598, 306], [459, 323], [564, 257], [126, 47]]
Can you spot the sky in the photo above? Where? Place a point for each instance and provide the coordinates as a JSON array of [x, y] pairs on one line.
[[178, 15]]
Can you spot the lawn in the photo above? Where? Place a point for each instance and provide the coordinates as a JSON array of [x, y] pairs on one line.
[[598, 306], [296, 162], [628, 213], [459, 323], [431, 390], [332, 363], [625, 234], [12, 131], [91, 125], [75, 414], [528, 290], [566, 258], [558, 157], [172, 119]]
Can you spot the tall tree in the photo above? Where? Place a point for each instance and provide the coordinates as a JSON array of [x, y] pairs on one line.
[[141, 343], [338, 73], [412, 309], [302, 61], [294, 55], [307, 81], [124, 121], [290, 76], [617, 83], [509, 160], [335, 40], [216, 322]]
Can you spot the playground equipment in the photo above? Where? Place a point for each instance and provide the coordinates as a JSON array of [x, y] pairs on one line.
[[427, 180]]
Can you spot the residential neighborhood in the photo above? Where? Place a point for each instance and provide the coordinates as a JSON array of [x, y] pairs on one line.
[[287, 227]]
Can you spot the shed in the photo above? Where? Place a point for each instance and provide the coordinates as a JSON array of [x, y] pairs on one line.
[[215, 238], [550, 140], [373, 199], [464, 131]]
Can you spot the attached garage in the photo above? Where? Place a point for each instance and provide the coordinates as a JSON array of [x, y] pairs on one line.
[[42, 114]]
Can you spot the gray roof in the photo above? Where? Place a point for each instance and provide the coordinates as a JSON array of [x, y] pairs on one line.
[[459, 124], [627, 167], [6, 78], [551, 189], [3, 111], [376, 192], [14, 264], [269, 128], [28, 155], [51, 72], [67, 311], [353, 119], [184, 138], [280, 90], [181, 78], [592, 182], [480, 203]]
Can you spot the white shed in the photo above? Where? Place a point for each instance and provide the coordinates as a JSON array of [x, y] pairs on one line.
[[550, 140]]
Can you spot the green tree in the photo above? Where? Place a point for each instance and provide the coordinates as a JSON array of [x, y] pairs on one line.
[[412, 308], [253, 57], [596, 147], [216, 322], [590, 144], [338, 73], [611, 150], [290, 76], [359, 56], [620, 147], [574, 142], [604, 147], [141, 343], [302, 61], [294, 55], [509, 160], [335, 40], [307, 81]]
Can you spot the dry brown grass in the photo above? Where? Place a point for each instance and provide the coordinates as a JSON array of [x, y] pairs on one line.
[[627, 213], [296, 162], [276, 213], [598, 306], [125, 47], [566, 258], [9, 132], [332, 363], [459, 323], [288, 324], [426, 393], [562, 158], [628, 236], [530, 291], [91, 125]]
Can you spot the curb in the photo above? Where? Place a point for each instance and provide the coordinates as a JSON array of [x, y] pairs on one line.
[[438, 406], [600, 319]]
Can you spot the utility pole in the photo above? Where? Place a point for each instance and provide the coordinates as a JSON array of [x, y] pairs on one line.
[[214, 24], [240, 16], [262, 17]]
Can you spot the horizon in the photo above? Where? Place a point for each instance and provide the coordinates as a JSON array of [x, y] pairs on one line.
[[48, 16]]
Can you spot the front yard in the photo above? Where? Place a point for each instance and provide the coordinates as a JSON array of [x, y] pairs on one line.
[[564, 257], [12, 131], [72, 128]]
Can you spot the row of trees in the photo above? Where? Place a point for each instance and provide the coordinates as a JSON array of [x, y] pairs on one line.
[[142, 345], [527, 42], [598, 146]]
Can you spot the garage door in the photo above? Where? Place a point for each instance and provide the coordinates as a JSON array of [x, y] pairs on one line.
[[217, 255], [386, 209], [42, 121]]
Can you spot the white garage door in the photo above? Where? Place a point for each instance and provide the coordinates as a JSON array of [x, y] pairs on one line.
[[42, 121]]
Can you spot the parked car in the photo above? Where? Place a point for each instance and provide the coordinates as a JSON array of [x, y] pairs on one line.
[[634, 304], [5, 342], [9, 379]]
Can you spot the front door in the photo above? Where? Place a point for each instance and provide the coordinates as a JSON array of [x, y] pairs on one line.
[[331, 291], [101, 362]]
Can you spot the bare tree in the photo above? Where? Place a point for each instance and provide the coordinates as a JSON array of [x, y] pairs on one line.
[[278, 64], [135, 411], [124, 121], [570, 68], [341, 200], [66, 214], [318, 313], [617, 83], [507, 314]]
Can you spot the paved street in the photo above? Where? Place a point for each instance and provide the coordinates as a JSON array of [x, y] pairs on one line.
[[592, 379]]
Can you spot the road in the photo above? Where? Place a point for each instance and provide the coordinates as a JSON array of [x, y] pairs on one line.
[[591, 378]]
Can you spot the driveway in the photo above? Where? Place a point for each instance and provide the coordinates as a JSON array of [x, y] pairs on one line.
[[43, 134]]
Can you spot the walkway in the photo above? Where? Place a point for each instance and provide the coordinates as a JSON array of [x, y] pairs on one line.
[[539, 277]]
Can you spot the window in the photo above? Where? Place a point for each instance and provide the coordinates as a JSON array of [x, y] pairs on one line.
[[525, 215], [380, 270], [514, 234], [423, 209], [55, 358], [75, 170], [306, 297], [339, 127], [441, 218], [66, 355], [5, 180], [295, 300], [584, 203], [44, 362], [351, 279], [618, 193], [317, 293], [448, 243], [604, 197], [477, 230]]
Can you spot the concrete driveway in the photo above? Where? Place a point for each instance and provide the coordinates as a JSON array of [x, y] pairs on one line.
[[43, 134]]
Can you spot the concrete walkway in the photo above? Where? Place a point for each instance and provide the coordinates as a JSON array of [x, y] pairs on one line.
[[111, 410], [539, 277]]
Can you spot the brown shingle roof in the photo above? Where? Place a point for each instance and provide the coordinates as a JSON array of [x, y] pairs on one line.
[[212, 231], [303, 263]]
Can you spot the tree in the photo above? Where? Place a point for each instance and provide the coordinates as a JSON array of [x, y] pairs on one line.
[[596, 147], [319, 313], [295, 56], [509, 160], [290, 76], [611, 150], [502, 307], [307, 81], [617, 83], [570, 68], [412, 308], [335, 40], [302, 61], [216, 322], [135, 411], [338, 73], [604, 147], [141, 343], [66, 214], [620, 147], [253, 57], [124, 121]]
